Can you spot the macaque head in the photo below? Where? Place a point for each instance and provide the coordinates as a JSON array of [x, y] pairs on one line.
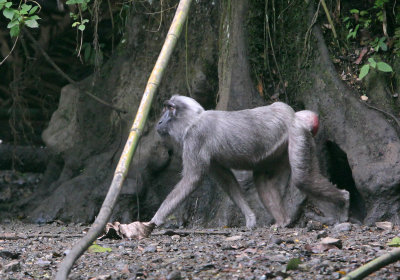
[[179, 112]]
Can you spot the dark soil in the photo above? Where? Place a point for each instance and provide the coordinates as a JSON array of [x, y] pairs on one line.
[[225, 253]]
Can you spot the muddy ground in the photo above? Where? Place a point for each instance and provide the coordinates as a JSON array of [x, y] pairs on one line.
[[223, 253]]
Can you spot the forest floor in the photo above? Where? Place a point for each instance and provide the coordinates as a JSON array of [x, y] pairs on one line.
[[225, 253]]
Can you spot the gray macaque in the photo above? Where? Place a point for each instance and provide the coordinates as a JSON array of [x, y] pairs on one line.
[[273, 141]]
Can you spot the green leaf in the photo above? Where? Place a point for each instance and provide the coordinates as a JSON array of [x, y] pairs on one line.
[[81, 27], [372, 62], [33, 10], [3, 1], [32, 23], [71, 2], [382, 45], [364, 71], [363, 13], [24, 9], [14, 31], [8, 4], [9, 13], [384, 67], [354, 11], [98, 249], [34, 17], [395, 242], [293, 264], [85, 21], [12, 23]]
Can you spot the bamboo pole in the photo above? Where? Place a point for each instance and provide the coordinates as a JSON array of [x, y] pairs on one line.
[[131, 144], [373, 265]]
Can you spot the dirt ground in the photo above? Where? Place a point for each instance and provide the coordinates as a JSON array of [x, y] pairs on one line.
[[224, 253]]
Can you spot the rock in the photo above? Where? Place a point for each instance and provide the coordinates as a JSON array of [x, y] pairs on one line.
[[174, 275], [276, 240], [342, 227], [314, 225], [234, 238], [384, 225], [175, 237], [43, 263], [332, 241], [322, 234], [13, 266], [150, 249]]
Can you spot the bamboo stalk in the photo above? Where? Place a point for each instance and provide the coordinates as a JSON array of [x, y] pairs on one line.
[[131, 144], [328, 16], [373, 265]]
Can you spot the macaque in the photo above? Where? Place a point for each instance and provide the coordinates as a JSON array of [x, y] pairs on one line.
[[274, 142]]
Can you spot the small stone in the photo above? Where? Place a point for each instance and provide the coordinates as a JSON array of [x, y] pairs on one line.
[[13, 266], [384, 225], [43, 263], [150, 249], [322, 234], [175, 237], [174, 275], [314, 225], [276, 240], [332, 241], [342, 227], [233, 238]]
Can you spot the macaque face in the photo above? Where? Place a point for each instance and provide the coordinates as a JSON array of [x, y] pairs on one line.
[[169, 113]]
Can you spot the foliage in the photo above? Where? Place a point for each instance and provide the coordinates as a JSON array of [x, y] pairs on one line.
[[79, 21], [395, 242], [94, 248], [380, 66], [23, 15]]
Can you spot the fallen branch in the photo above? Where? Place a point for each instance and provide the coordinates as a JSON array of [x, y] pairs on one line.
[[65, 76], [16, 236], [131, 144], [373, 265]]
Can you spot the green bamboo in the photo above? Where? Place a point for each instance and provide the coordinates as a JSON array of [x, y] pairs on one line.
[[328, 16], [131, 144], [373, 265]]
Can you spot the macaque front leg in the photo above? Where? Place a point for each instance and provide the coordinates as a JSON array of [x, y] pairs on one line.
[[181, 191]]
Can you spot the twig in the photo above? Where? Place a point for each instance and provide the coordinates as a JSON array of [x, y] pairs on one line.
[[13, 47], [65, 76], [187, 232], [384, 112], [373, 265]]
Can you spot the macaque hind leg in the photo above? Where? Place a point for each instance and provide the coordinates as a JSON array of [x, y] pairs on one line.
[[227, 181], [270, 186], [306, 174]]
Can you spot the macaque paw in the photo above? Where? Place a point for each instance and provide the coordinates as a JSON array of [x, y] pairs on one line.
[[137, 230]]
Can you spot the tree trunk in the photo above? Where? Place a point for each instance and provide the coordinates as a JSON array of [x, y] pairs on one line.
[[359, 146]]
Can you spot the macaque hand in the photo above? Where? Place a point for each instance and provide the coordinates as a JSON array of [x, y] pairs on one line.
[[137, 230]]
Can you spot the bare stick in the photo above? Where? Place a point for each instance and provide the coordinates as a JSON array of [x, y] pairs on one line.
[[13, 47], [373, 265], [131, 144]]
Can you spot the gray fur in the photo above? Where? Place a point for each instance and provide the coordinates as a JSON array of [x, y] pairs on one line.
[[273, 141]]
